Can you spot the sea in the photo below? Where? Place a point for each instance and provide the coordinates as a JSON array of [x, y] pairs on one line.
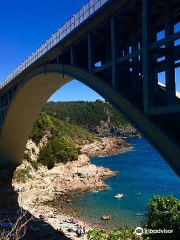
[[142, 173]]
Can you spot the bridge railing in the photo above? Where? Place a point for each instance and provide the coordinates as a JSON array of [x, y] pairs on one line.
[[85, 12]]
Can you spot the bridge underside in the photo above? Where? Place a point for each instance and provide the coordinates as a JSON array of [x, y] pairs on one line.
[[120, 53], [37, 89]]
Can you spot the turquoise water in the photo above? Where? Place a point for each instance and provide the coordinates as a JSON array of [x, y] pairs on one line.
[[141, 170]]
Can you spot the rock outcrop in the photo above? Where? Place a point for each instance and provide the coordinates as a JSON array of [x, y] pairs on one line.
[[46, 185], [78, 176], [105, 147], [33, 148]]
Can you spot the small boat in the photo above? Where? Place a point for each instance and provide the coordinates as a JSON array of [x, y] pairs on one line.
[[139, 193], [119, 195], [139, 214], [94, 191]]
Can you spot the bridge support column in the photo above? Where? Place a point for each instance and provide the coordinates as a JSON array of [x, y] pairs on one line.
[[148, 87], [170, 68], [73, 56], [135, 72], [114, 49], [108, 50], [90, 53]]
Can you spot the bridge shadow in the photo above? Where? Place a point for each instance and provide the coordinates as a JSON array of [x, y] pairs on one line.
[[37, 229]]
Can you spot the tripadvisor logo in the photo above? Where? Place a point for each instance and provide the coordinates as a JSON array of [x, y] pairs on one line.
[[139, 231]]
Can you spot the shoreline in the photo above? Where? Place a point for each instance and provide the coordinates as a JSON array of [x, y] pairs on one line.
[[58, 219], [38, 194]]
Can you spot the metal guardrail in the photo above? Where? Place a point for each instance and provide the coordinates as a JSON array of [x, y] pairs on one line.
[[85, 12]]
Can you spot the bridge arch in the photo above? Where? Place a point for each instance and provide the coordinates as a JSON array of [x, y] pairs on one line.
[[41, 84]]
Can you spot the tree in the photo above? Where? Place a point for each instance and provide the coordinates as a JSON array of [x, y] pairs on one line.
[[46, 156], [64, 149], [164, 213], [59, 149], [43, 123]]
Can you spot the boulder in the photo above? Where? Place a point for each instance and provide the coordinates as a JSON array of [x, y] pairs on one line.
[[108, 217]]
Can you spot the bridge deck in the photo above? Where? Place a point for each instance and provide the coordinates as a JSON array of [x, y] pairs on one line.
[[83, 14]]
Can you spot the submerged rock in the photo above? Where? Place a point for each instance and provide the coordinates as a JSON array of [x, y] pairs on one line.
[[108, 217]]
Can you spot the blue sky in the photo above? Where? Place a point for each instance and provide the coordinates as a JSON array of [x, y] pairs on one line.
[[25, 25]]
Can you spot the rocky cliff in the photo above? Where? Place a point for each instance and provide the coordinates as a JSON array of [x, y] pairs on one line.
[[63, 179]]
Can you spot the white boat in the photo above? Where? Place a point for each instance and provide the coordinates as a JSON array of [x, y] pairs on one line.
[[119, 195], [139, 214]]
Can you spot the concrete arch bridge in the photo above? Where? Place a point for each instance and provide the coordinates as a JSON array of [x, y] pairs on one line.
[[113, 47]]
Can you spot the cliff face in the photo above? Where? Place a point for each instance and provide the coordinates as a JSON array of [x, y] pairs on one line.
[[33, 148]]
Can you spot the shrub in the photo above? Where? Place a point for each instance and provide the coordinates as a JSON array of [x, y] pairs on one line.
[[22, 175], [34, 165], [123, 233], [46, 156], [96, 234], [164, 213], [27, 157]]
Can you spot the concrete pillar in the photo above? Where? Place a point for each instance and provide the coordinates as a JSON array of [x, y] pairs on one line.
[[114, 49], [90, 53], [73, 56], [135, 72], [147, 57], [170, 69]]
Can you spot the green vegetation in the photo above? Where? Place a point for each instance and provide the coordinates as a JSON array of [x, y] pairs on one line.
[[63, 138], [164, 213], [46, 157], [27, 157], [59, 149], [33, 163], [22, 175], [42, 125], [121, 234], [85, 114], [45, 123], [62, 143]]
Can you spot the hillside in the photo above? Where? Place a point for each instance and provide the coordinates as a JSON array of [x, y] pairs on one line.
[[53, 141], [55, 126], [97, 117]]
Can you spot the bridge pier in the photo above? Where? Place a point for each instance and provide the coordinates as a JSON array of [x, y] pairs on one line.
[[147, 56], [114, 50], [90, 53], [170, 69], [135, 67]]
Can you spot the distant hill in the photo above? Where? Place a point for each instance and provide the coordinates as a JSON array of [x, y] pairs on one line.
[[97, 117]]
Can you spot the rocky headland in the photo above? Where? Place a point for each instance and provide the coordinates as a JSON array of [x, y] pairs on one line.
[[41, 188], [64, 179]]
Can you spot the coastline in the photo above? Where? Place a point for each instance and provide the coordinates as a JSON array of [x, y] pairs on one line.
[[40, 202], [38, 194]]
